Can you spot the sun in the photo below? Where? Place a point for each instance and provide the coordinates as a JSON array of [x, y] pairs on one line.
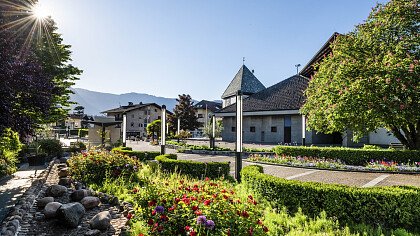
[[39, 11]]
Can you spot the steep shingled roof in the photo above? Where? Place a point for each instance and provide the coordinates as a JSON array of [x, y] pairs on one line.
[[285, 95], [245, 81], [211, 106], [130, 107]]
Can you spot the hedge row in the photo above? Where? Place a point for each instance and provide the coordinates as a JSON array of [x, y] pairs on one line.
[[194, 168], [389, 207], [351, 156], [141, 155]]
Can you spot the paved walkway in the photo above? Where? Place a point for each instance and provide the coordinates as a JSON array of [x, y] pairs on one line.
[[12, 187], [359, 179]]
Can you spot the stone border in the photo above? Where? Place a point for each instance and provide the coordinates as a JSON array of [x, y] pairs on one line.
[[12, 222]]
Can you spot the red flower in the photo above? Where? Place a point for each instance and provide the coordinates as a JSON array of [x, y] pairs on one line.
[[135, 190], [265, 229], [163, 217], [129, 216], [153, 212], [187, 228], [177, 200], [207, 179], [150, 222], [259, 222], [152, 203], [228, 232], [223, 191], [194, 208], [245, 214], [198, 212], [193, 233], [171, 208], [251, 231], [207, 202], [250, 197]]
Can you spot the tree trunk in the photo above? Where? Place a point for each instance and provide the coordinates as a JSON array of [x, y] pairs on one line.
[[411, 137]]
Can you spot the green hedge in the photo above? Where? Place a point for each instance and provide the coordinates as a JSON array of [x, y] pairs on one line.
[[351, 156], [389, 207], [141, 156], [194, 168]]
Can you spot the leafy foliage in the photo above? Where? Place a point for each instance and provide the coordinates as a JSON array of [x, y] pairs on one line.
[[154, 128], [208, 129], [140, 155], [351, 156], [194, 168], [372, 77], [9, 149], [388, 207], [35, 74]]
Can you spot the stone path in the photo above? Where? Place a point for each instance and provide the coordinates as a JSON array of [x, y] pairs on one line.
[[12, 187], [359, 179]]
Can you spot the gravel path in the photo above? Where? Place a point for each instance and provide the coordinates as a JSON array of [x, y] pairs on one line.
[[359, 179]]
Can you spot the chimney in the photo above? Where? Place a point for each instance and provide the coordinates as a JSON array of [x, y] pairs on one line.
[[141, 103], [130, 103], [252, 71]]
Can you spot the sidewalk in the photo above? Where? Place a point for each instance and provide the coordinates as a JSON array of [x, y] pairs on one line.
[[12, 187]]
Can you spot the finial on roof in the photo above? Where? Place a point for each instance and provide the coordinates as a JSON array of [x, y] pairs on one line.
[[243, 60]]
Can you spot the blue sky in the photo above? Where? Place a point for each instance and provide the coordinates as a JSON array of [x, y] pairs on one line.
[[166, 48]]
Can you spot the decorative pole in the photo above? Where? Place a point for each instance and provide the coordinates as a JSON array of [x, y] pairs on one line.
[[303, 130], [213, 132], [124, 130], [163, 131], [179, 126], [238, 161]]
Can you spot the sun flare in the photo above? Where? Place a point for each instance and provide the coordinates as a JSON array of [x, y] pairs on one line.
[[40, 11]]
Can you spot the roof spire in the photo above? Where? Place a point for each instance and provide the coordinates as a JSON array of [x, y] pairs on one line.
[[243, 60]]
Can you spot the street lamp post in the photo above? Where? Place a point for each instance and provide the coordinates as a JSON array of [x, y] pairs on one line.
[[213, 132], [238, 161], [303, 130], [163, 131], [124, 130]]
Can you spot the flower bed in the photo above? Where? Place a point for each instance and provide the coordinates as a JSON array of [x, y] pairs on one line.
[[351, 156], [141, 156], [334, 164]]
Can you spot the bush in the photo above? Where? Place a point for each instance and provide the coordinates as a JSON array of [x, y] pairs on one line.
[[9, 149], [351, 156], [77, 147], [388, 207], [95, 167], [51, 147], [141, 156], [194, 168]]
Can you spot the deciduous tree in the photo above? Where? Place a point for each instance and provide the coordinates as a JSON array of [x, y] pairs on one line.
[[372, 77]]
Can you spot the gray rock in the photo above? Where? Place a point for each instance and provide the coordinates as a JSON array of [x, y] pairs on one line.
[[101, 221], [64, 181], [50, 210], [13, 224], [44, 201], [56, 190], [63, 172], [93, 232], [79, 195], [114, 201], [61, 166], [90, 202], [63, 159], [71, 213]]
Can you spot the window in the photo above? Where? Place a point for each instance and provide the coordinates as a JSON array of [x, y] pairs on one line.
[[158, 117], [132, 124], [155, 110], [287, 129], [200, 116], [233, 129], [273, 129], [139, 124], [252, 129]]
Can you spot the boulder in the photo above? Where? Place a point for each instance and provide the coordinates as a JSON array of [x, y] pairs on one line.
[[63, 159], [41, 203], [90, 202], [78, 195], [101, 221], [64, 181], [71, 213], [56, 190], [50, 210], [93, 232], [64, 172]]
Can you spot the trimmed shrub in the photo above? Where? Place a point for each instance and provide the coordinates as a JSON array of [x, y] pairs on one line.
[[194, 168], [9, 149], [95, 167], [388, 207], [351, 156], [141, 156], [77, 147], [51, 147]]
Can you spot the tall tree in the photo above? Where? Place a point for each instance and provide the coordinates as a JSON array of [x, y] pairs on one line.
[[154, 128], [35, 69], [184, 111], [372, 77]]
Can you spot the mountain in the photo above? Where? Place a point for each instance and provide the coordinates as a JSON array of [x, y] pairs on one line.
[[96, 102]]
